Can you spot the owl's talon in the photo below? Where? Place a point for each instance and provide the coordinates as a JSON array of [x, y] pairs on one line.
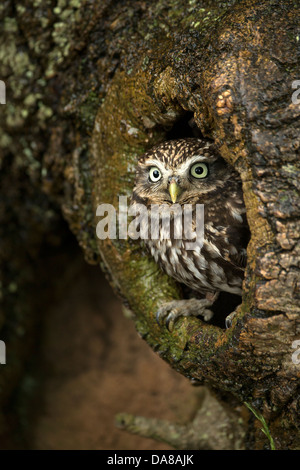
[[170, 322], [229, 318], [163, 316], [158, 316], [171, 311]]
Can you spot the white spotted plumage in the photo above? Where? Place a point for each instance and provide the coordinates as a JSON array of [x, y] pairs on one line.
[[219, 264]]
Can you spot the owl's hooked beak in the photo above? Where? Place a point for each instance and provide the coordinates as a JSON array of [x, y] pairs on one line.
[[174, 190]]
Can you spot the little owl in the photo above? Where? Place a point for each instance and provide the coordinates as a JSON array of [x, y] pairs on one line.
[[191, 171]]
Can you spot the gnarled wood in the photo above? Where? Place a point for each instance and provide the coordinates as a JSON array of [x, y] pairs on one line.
[[109, 84]]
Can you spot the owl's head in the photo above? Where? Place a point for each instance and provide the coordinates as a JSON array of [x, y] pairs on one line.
[[179, 171]]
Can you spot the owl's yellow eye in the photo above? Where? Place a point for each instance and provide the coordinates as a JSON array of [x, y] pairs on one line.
[[154, 174], [199, 170]]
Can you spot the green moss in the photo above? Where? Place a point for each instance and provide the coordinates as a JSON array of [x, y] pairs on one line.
[[88, 110]]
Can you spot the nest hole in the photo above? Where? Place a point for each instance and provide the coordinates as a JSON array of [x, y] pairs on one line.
[[184, 127]]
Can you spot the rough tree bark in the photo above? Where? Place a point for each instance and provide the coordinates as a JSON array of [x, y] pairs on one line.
[[90, 87]]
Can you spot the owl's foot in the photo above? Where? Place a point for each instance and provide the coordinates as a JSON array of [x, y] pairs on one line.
[[171, 311], [229, 319]]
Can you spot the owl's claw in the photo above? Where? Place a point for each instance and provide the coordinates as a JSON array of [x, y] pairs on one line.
[[229, 318], [171, 311]]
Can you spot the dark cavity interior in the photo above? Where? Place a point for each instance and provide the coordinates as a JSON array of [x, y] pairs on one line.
[[184, 127]]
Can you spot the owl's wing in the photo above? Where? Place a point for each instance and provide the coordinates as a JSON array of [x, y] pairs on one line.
[[238, 237]]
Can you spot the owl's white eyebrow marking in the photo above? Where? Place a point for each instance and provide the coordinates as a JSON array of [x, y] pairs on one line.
[[149, 163], [189, 162]]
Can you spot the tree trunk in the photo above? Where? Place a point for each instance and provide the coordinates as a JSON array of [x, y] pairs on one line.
[[91, 87]]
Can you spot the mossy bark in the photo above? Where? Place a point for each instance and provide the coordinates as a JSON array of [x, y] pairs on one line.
[[114, 84]]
